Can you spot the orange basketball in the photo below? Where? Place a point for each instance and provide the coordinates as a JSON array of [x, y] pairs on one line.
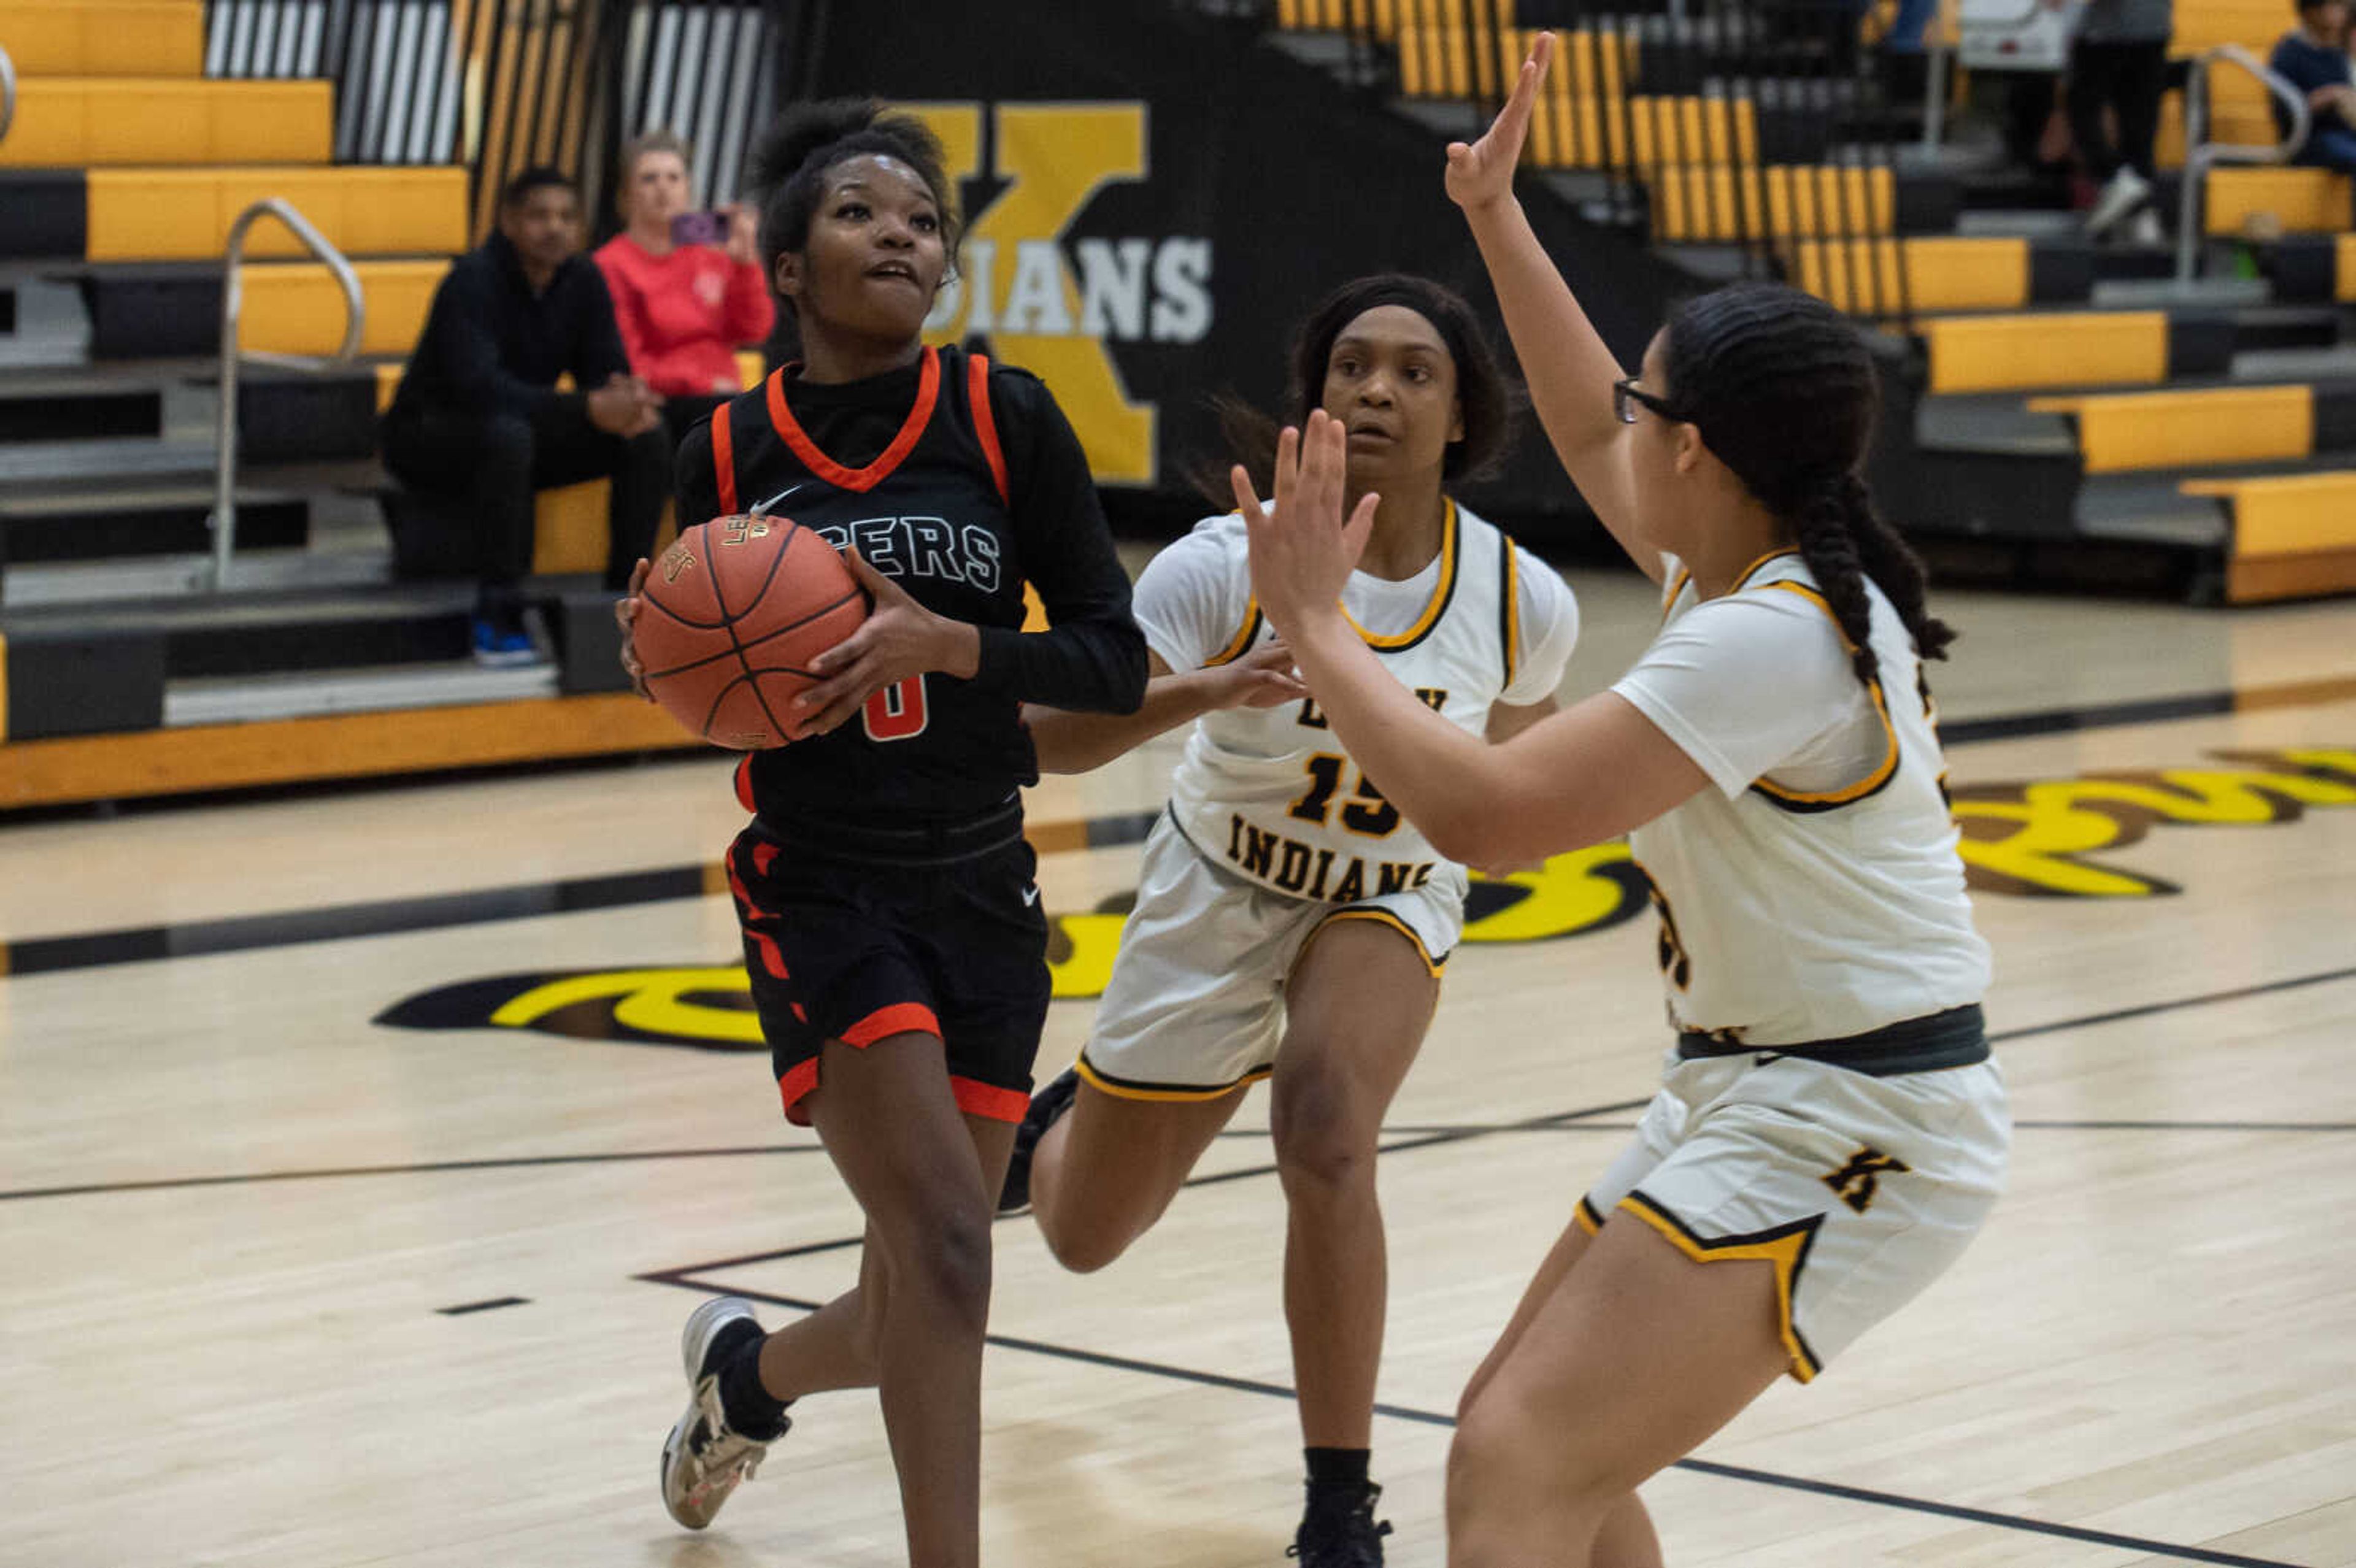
[[735, 612]]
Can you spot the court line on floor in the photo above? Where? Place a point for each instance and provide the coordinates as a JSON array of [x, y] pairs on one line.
[[135, 945], [425, 1167], [1409, 1139], [1435, 1418], [1414, 1137]]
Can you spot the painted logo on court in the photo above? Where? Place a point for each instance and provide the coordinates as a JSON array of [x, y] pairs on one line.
[[2052, 837]]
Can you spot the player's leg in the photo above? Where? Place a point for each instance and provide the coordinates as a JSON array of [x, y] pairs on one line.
[[1106, 1170], [1626, 1538], [891, 1125], [1359, 1002], [1191, 1017], [834, 1347], [1594, 1396]]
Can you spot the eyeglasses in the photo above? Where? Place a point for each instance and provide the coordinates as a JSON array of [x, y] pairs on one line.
[[1627, 397]]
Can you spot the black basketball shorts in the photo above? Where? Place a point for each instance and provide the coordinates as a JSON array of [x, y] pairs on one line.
[[867, 936]]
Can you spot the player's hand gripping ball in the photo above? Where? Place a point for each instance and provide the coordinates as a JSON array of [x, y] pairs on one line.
[[733, 616]]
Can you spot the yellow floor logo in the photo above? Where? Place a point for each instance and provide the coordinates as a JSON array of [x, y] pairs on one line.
[[2018, 838]]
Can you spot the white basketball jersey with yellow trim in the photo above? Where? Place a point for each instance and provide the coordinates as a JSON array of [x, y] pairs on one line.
[[1812, 908], [1270, 793]]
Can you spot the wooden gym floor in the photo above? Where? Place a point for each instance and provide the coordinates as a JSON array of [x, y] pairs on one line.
[[281, 1282]]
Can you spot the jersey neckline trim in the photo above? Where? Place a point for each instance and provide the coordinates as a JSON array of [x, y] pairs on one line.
[[1741, 579], [1441, 594], [1445, 591], [858, 480]]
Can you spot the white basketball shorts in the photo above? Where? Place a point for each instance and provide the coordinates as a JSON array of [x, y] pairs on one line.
[[1859, 1190], [1196, 1005]]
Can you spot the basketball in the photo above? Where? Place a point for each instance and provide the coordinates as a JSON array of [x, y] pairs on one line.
[[735, 612]]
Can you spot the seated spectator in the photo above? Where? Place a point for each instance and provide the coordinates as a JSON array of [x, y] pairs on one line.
[[478, 422], [684, 309], [2313, 60]]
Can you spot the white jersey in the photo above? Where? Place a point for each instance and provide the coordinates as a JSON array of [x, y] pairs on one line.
[[1268, 794], [1815, 892]]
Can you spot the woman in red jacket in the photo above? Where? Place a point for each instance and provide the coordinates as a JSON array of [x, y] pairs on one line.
[[683, 309]]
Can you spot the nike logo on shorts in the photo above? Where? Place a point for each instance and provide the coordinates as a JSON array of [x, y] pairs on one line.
[[1030, 895]]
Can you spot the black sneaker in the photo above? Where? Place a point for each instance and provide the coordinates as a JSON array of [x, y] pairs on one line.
[[1046, 1106], [1341, 1532]]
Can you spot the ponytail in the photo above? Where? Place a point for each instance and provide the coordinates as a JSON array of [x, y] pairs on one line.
[[1845, 541]]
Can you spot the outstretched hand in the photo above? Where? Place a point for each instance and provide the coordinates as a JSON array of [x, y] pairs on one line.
[[1303, 555], [1481, 175]]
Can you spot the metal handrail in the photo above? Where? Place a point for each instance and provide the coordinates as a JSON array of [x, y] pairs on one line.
[[8, 93], [224, 519], [2202, 154]]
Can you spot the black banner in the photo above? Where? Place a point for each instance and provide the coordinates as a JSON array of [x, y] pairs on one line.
[[1154, 198]]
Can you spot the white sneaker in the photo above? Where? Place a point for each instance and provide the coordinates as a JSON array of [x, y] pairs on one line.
[[2145, 228], [704, 1458], [2126, 191]]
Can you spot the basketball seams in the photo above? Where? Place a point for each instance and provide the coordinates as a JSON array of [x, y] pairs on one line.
[[751, 677], [822, 611], [713, 674]]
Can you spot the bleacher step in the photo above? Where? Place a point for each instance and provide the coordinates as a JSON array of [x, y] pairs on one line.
[[86, 466], [257, 567], [2335, 362], [42, 526], [448, 683]]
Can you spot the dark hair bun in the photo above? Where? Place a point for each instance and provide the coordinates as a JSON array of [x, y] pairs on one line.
[[806, 129]]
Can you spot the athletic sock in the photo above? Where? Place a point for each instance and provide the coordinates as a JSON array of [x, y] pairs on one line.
[[1336, 1472], [751, 1409]]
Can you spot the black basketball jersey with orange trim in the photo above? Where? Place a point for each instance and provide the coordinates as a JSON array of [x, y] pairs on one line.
[[958, 480]]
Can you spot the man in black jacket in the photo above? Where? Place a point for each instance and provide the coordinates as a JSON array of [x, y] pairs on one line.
[[478, 423]]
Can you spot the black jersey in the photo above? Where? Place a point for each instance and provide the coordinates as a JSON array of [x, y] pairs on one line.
[[959, 480]]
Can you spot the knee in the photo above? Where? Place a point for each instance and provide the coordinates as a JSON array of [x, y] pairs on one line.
[[507, 442], [1506, 1463], [944, 1267], [1080, 1247], [1324, 1138]]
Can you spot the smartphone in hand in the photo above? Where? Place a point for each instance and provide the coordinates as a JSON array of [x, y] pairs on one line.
[[700, 228]]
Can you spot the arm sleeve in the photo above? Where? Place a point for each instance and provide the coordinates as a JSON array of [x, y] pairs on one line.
[[698, 492], [1191, 600], [748, 312], [460, 331], [1743, 683], [1092, 656], [629, 311], [598, 352], [1548, 615]]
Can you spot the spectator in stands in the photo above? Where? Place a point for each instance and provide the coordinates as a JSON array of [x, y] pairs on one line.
[[478, 420], [684, 308], [2313, 57], [2119, 64]]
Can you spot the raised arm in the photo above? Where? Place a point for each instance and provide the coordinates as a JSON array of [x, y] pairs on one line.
[[1071, 743], [1564, 361]]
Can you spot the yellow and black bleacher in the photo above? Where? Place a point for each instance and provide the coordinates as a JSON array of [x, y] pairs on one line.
[[120, 177], [2224, 432]]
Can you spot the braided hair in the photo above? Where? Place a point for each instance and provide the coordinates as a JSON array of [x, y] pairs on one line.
[[1783, 393], [793, 157]]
